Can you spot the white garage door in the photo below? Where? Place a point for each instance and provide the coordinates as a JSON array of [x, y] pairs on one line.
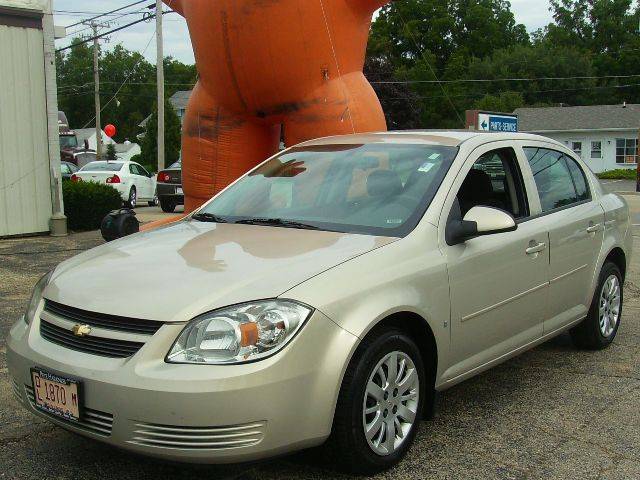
[[25, 192]]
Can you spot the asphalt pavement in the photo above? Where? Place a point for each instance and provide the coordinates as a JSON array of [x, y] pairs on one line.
[[551, 413]]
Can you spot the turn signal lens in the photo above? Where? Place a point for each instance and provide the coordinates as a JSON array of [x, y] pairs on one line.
[[36, 297], [75, 178], [114, 179], [164, 177], [239, 334]]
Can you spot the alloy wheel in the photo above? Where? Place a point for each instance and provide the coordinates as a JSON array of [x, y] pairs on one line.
[[609, 306], [133, 198], [391, 402]]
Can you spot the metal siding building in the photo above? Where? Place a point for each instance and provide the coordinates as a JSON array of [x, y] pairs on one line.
[[29, 182]]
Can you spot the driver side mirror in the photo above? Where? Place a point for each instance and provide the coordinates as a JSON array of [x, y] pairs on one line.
[[479, 222]]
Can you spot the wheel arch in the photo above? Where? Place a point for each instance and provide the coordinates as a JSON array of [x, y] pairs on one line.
[[421, 332], [619, 258]]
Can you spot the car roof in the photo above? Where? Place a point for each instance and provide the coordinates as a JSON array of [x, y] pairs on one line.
[[453, 138]]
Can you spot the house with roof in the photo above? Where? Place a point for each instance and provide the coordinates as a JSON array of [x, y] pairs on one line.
[[89, 134], [604, 136]]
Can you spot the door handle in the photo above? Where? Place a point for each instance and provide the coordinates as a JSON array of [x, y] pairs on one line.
[[536, 247], [594, 227]]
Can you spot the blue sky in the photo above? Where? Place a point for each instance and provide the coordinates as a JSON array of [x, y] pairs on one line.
[[532, 13]]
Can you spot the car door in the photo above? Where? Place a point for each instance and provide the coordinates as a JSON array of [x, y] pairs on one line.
[[148, 180], [498, 283], [576, 231], [139, 181]]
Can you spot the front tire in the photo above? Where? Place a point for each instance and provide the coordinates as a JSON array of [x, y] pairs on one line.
[[599, 329], [380, 404]]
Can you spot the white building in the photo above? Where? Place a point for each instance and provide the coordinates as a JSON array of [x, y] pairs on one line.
[[605, 136], [30, 177], [89, 134]]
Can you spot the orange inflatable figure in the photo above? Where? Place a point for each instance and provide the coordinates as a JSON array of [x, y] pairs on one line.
[[265, 65]]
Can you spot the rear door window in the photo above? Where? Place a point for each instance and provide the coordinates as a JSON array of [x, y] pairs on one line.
[[560, 180]]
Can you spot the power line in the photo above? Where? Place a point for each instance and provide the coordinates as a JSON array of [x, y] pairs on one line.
[[108, 13], [77, 44], [493, 80]]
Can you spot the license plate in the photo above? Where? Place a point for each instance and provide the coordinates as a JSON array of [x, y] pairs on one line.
[[56, 395], [179, 191]]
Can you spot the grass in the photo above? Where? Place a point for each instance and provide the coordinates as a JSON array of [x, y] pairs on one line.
[[619, 174]]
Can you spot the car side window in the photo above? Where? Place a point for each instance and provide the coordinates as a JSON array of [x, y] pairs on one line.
[[133, 170], [142, 171], [64, 168], [560, 180], [495, 180]]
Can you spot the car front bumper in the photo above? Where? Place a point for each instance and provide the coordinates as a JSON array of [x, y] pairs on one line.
[[195, 413]]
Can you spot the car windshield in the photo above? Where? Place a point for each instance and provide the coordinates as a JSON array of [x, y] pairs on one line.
[[68, 142], [378, 189], [102, 167]]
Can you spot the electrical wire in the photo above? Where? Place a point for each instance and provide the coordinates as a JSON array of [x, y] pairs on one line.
[[108, 13]]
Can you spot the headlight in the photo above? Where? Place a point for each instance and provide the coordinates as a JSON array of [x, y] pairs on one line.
[[36, 297], [238, 334]]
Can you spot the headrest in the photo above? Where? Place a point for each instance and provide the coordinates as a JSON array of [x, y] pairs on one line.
[[476, 185], [383, 183]]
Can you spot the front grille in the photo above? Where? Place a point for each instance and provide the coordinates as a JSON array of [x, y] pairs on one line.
[[198, 438], [101, 320], [92, 421], [105, 347]]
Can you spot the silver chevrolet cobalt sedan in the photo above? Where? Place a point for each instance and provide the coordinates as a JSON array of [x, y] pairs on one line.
[[326, 296]]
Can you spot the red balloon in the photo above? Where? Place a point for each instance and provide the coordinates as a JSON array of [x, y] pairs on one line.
[[110, 130]]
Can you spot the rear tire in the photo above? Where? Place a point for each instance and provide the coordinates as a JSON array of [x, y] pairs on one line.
[[133, 198], [167, 206], [599, 329], [362, 406]]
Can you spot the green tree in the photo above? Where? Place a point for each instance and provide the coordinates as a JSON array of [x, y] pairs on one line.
[[127, 86], [172, 136], [111, 152]]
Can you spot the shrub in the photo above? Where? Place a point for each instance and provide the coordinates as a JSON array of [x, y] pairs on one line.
[[619, 174], [87, 203]]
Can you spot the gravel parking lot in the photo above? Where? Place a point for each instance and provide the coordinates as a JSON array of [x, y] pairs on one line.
[[553, 412]]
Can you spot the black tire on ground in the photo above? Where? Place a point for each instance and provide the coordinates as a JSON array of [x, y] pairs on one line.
[[347, 445], [588, 334], [167, 206], [132, 201]]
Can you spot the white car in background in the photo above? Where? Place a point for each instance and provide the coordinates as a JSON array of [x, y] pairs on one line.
[[134, 183]]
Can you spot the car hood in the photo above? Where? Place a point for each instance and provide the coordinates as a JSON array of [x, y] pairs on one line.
[[180, 271]]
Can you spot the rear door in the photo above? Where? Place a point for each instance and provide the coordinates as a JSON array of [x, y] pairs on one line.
[[575, 221]]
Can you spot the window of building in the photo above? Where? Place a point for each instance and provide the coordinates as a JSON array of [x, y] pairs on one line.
[[596, 149], [577, 147], [626, 150]]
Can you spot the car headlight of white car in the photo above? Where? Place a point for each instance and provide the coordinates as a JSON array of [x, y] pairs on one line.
[[240, 333], [36, 297]]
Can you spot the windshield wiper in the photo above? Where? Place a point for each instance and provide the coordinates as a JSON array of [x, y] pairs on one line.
[[209, 217], [277, 222]]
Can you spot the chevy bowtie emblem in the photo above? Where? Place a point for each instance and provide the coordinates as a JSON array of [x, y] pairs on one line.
[[81, 330]]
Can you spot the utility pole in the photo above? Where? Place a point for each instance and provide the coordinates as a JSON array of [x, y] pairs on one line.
[[96, 81], [160, 81]]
